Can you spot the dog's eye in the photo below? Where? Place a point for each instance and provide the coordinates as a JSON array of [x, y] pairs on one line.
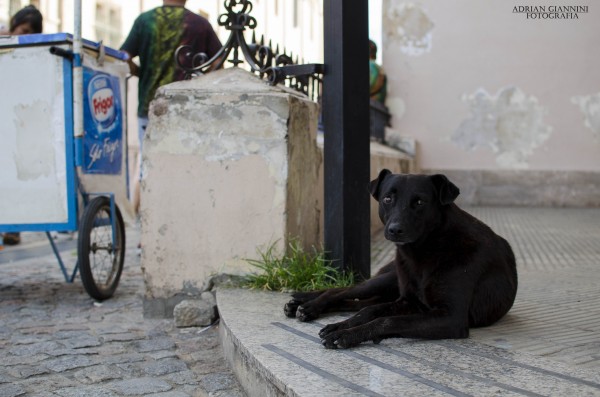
[[417, 203], [387, 200]]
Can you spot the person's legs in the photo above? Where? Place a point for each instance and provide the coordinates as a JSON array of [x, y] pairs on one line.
[[136, 187], [11, 238], [142, 124]]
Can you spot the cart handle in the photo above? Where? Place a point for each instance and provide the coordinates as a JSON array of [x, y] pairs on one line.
[[61, 52]]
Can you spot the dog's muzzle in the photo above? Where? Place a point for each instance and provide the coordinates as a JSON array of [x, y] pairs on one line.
[[394, 232]]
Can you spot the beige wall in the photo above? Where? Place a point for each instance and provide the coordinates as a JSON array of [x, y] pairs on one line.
[[483, 88], [230, 166], [381, 156]]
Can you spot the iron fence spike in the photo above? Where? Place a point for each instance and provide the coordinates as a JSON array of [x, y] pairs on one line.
[[277, 66]]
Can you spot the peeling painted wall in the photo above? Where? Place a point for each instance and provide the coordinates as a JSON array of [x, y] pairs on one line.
[[590, 107], [408, 26], [482, 88], [511, 123]]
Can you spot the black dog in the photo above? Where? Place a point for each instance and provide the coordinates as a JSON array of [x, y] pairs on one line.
[[451, 271]]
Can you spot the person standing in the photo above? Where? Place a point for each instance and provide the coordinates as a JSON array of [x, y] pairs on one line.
[[154, 37], [377, 77], [28, 20]]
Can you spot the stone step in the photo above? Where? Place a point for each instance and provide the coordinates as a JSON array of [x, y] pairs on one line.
[[548, 344], [273, 355]]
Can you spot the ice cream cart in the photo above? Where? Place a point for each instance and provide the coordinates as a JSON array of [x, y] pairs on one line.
[[51, 177]]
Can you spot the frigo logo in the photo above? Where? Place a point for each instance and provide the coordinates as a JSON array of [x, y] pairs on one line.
[[102, 102]]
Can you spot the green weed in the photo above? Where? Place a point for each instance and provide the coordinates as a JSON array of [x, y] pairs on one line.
[[297, 271]]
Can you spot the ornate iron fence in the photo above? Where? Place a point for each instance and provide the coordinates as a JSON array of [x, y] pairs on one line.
[[275, 66]]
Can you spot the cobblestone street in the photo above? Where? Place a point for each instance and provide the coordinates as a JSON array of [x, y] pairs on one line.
[[56, 341]]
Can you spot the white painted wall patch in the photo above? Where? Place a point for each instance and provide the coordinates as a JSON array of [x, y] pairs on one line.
[[590, 107], [511, 123], [408, 25]]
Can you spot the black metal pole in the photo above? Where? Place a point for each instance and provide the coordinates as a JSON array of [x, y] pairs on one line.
[[346, 129]]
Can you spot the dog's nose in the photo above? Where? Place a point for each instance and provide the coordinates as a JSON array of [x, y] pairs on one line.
[[394, 229]]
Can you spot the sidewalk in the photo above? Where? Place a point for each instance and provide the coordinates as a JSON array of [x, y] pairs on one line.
[[55, 341], [548, 345]]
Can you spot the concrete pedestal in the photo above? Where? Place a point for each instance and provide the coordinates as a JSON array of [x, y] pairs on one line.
[[230, 165]]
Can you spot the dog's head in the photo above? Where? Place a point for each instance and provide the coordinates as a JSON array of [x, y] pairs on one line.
[[411, 206]]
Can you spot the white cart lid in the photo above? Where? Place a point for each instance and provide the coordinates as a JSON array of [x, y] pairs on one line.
[[56, 38]]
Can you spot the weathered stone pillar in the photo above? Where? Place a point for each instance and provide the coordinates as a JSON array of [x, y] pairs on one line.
[[231, 165]]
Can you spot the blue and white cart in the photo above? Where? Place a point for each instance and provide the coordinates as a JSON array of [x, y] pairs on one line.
[[51, 178]]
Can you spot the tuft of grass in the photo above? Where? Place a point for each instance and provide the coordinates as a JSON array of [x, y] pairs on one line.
[[297, 271]]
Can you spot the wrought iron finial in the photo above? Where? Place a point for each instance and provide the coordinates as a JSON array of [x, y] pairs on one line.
[[261, 58], [236, 20]]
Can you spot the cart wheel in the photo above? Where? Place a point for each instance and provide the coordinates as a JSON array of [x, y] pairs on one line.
[[100, 261]]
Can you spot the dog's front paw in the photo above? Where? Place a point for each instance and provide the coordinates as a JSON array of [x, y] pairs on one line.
[[329, 329], [306, 313], [291, 307], [341, 340]]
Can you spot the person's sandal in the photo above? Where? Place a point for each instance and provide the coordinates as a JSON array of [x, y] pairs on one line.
[[11, 238]]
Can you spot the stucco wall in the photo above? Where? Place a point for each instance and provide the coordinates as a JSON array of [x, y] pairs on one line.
[[483, 88], [222, 156], [381, 156]]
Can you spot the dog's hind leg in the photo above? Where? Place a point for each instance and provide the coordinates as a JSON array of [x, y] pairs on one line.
[[383, 287]]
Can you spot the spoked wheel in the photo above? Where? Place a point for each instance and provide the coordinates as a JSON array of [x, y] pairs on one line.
[[101, 254]]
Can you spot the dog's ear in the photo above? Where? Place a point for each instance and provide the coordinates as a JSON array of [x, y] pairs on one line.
[[447, 191], [375, 185]]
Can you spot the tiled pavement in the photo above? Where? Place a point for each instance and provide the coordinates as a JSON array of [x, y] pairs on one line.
[[548, 345], [557, 313]]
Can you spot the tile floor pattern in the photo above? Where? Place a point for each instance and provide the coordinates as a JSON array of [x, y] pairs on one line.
[[558, 256], [549, 344], [557, 312]]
